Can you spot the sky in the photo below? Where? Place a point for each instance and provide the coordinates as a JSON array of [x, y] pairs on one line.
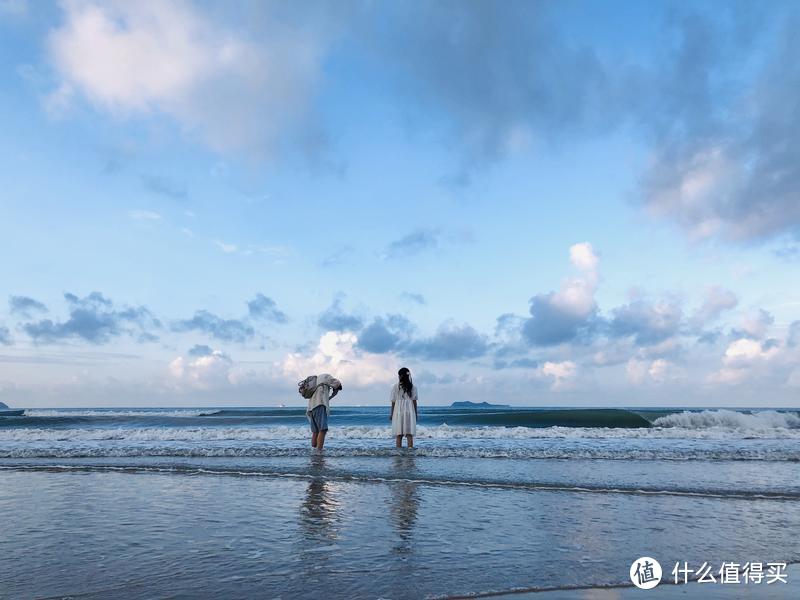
[[529, 203]]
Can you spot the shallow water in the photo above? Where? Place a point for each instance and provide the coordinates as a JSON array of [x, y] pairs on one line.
[[129, 505]]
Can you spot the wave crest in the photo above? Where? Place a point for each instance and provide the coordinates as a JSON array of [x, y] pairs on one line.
[[762, 421]]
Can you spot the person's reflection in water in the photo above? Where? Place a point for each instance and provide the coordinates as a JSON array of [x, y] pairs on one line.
[[404, 502], [319, 524], [319, 511]]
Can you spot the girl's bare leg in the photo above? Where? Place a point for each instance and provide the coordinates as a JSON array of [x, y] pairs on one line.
[[410, 439], [398, 441], [321, 439], [314, 439]]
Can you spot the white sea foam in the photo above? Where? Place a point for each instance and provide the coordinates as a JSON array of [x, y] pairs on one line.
[[230, 450], [761, 421], [142, 412], [369, 432]]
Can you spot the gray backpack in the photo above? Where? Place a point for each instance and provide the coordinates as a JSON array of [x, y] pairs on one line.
[[307, 387]]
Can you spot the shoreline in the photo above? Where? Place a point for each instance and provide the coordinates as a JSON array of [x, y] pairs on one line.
[[665, 590]]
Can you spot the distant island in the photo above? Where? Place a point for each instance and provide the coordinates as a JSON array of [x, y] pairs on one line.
[[468, 404]]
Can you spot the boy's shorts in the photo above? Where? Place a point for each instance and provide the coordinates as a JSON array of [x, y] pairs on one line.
[[318, 419]]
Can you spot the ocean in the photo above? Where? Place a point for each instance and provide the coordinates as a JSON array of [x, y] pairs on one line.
[[233, 503]]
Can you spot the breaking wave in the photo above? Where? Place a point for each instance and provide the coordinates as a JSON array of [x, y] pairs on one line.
[[667, 428], [763, 421]]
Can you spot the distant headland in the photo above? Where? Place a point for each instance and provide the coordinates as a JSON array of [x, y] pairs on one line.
[[468, 404]]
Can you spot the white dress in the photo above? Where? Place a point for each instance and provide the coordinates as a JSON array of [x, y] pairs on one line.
[[404, 419]]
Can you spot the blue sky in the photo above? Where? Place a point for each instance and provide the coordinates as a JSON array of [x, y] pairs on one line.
[[575, 203]]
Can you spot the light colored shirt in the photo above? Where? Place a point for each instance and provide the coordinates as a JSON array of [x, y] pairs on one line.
[[322, 395], [404, 417]]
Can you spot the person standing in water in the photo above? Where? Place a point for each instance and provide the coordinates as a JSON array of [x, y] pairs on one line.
[[404, 409], [319, 390]]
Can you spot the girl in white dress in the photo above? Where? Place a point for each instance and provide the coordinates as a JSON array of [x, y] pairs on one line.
[[404, 409]]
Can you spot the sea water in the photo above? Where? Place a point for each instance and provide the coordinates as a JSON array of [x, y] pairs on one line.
[[233, 503]]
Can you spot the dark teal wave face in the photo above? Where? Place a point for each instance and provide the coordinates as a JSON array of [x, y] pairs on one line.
[[475, 417], [610, 417]]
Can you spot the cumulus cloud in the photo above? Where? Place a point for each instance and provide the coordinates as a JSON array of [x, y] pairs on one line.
[[393, 333], [714, 102], [334, 318], [338, 354], [646, 321], [743, 351], [227, 330], [262, 307], [5, 336], [562, 373], [563, 316], [94, 319], [385, 334], [728, 166], [659, 370], [499, 75], [200, 350], [25, 306], [203, 370], [583, 257], [499, 78], [234, 90], [754, 325], [450, 342], [717, 301], [746, 359]]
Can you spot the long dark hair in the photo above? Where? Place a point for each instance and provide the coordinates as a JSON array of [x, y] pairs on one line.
[[405, 381]]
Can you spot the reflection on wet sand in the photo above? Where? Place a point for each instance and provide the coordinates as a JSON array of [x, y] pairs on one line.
[[404, 501], [318, 514], [319, 522]]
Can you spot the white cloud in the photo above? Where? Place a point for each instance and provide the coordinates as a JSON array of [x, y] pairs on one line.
[[716, 301], [338, 355], [755, 324], [643, 370], [204, 372], [660, 370], [231, 91], [745, 351], [686, 191], [636, 370], [562, 373], [583, 256], [576, 296], [746, 359]]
